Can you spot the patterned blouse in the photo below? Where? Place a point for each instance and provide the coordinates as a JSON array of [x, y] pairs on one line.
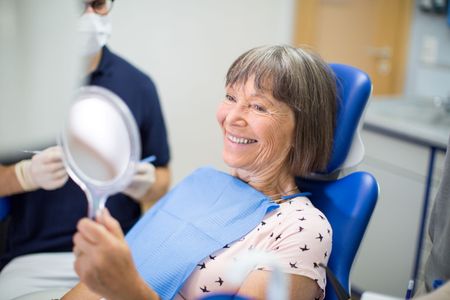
[[297, 233]]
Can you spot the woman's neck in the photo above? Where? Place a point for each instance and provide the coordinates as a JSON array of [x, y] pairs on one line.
[[273, 183]]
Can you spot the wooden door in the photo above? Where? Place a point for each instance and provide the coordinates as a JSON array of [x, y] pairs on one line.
[[369, 34]]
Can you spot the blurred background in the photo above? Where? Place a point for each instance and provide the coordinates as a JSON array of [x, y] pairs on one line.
[[187, 46]]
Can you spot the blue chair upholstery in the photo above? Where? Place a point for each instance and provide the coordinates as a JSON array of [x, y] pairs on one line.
[[4, 207], [347, 202], [354, 88]]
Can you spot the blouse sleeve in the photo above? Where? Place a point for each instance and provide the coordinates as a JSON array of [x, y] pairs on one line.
[[302, 241]]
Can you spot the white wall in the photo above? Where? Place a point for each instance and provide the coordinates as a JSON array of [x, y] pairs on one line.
[[186, 46]]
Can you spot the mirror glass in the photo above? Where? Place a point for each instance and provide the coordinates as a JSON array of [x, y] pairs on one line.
[[101, 144]]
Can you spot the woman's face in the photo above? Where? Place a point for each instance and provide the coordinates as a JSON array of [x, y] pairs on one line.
[[258, 129]]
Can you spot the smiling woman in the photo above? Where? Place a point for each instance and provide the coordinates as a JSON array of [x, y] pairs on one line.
[[257, 129], [277, 120], [284, 83]]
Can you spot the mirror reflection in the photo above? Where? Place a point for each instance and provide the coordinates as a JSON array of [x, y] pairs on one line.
[[97, 154], [101, 144]]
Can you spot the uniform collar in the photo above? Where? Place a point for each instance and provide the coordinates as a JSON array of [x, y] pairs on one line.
[[105, 63]]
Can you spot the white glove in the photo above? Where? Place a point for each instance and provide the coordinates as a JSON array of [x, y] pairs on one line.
[[142, 181], [44, 170]]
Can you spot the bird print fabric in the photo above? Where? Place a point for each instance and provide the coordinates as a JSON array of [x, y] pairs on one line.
[[297, 233]]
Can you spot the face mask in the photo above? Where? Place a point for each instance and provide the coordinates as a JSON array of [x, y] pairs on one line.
[[94, 32]]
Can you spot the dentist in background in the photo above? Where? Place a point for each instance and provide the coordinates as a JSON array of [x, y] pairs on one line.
[[46, 204]]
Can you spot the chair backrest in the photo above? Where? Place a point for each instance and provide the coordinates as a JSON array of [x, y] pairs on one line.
[[354, 88], [347, 202]]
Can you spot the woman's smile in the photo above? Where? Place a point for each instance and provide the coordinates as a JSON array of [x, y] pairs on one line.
[[240, 140]]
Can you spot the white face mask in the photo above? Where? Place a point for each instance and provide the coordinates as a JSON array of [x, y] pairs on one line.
[[94, 32]]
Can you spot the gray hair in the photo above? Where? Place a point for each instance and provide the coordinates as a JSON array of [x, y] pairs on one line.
[[306, 83]]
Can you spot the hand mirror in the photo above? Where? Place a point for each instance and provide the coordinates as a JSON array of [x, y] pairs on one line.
[[101, 145]]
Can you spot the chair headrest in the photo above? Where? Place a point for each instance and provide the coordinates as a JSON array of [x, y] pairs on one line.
[[354, 88]]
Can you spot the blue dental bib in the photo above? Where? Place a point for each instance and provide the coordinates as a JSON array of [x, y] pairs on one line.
[[203, 213]]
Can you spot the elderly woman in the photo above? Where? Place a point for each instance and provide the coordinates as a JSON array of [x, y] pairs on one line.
[[277, 119]]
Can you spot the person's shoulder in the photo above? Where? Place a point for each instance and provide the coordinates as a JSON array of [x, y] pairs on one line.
[[128, 69], [299, 204], [301, 209]]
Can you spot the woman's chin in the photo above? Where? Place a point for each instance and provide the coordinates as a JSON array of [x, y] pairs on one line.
[[231, 163]]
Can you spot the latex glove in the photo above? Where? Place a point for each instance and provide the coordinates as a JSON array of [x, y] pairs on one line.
[[44, 170], [142, 181]]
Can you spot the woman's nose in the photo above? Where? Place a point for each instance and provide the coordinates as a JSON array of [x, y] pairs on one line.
[[238, 115]]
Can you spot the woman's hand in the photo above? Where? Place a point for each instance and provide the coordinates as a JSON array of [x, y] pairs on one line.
[[103, 260]]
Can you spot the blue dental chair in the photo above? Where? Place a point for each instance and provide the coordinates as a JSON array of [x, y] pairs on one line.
[[348, 202]]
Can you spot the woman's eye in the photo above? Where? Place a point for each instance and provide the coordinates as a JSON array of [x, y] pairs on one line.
[[230, 98], [259, 108]]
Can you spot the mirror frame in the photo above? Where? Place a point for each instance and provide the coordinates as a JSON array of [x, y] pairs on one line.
[[97, 189]]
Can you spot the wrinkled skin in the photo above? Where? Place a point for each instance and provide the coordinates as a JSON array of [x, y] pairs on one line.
[[267, 125]]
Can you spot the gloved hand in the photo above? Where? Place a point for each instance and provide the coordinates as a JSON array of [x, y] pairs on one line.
[[44, 170], [142, 181]]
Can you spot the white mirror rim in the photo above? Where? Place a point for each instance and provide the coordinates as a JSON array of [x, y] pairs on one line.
[[100, 141]]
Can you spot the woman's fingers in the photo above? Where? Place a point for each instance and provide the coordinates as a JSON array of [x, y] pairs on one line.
[[92, 231], [111, 224]]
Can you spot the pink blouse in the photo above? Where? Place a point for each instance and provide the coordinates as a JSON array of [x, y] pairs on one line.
[[297, 233]]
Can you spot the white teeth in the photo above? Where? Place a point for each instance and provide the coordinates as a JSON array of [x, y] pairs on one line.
[[240, 140]]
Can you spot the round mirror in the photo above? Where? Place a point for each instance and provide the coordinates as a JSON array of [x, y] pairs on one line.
[[101, 144]]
